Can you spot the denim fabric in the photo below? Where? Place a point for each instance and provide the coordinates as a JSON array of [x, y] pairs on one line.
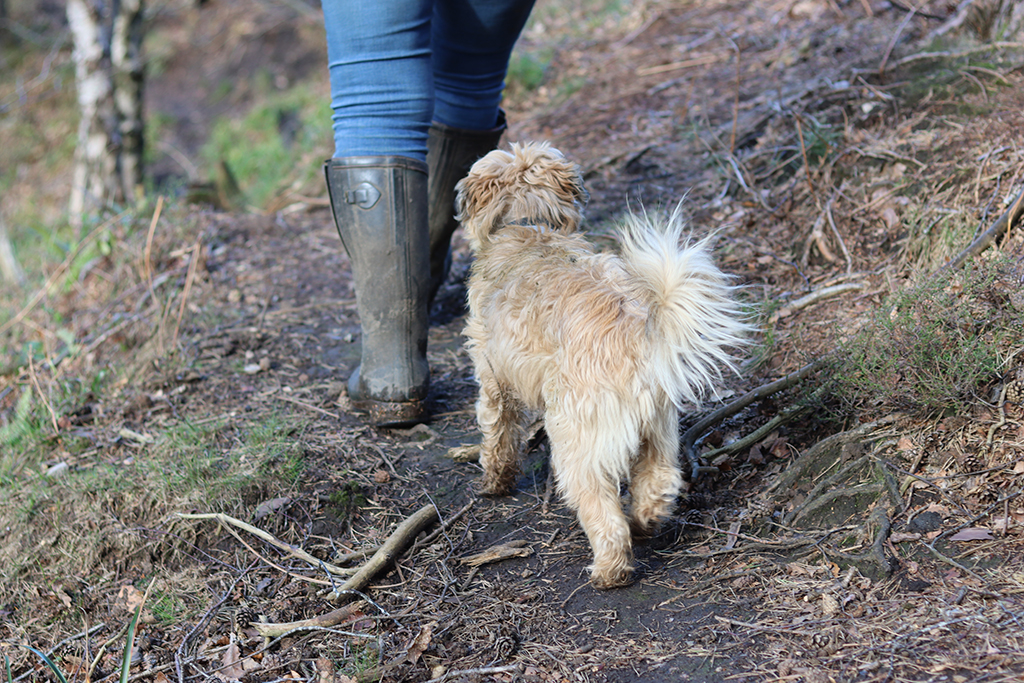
[[397, 65]]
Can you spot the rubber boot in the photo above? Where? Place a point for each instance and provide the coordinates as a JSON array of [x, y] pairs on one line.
[[450, 154], [380, 210]]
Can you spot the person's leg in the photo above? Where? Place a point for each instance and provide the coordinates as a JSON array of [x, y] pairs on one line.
[[472, 41], [382, 88], [382, 97]]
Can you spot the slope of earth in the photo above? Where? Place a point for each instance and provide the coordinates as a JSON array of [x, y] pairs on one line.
[[833, 159]]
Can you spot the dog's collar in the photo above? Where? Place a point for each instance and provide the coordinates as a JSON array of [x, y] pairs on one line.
[[531, 223]]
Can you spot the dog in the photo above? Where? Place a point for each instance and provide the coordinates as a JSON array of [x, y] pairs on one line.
[[607, 347]]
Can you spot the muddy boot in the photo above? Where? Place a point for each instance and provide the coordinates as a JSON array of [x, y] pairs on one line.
[[450, 153], [380, 210]]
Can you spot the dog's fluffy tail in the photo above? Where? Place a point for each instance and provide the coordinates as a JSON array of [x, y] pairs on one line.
[[694, 320]]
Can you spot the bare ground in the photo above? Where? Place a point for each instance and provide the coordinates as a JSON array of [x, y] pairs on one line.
[[760, 575]]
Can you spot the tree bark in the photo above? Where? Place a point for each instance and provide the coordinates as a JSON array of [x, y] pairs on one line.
[[109, 75]]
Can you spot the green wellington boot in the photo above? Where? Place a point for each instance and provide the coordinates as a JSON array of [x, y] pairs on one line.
[[450, 153], [380, 210]]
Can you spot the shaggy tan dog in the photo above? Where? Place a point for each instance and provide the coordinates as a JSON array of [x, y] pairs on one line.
[[607, 347]]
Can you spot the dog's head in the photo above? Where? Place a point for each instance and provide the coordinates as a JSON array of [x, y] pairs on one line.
[[531, 183]]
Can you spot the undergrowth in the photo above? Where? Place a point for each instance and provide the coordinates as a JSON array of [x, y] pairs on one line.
[[931, 346]]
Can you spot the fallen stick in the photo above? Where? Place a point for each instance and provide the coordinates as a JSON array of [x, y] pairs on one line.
[[400, 539], [332, 618], [292, 550], [816, 296], [392, 548]]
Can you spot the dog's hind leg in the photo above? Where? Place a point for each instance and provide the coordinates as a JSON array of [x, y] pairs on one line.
[[590, 486], [655, 477], [500, 417]]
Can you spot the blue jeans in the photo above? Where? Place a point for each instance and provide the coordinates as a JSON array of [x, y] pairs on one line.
[[398, 65]]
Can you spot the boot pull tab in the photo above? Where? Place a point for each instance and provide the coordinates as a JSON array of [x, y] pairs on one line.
[[364, 196]]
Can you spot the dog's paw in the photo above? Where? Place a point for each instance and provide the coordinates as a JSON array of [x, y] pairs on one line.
[[494, 487], [612, 579], [642, 531]]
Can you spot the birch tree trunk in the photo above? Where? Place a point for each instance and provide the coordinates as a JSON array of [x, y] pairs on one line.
[[109, 76]]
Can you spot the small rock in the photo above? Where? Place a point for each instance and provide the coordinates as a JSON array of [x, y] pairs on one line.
[[58, 470]]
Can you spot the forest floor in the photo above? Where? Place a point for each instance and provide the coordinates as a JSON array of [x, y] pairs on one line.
[[840, 150]]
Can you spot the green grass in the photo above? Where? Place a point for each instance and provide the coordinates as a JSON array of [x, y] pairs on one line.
[[527, 70], [279, 144]]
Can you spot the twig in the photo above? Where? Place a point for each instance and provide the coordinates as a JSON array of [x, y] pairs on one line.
[[735, 103], [761, 432], [994, 232], [445, 525], [69, 639], [549, 489], [42, 396], [399, 539], [292, 550], [990, 439], [896, 37], [309, 406], [817, 238], [816, 296], [188, 289], [148, 253], [332, 618], [950, 561], [803, 152], [985, 513], [768, 629], [839, 237], [483, 671], [684, 64], [1001, 45], [300, 577]]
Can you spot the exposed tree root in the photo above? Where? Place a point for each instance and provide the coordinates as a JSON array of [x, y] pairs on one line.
[[690, 436]]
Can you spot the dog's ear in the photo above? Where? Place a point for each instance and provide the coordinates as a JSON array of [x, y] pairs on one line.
[[480, 198]]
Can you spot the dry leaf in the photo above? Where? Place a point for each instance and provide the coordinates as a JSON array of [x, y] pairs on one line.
[[890, 217], [421, 642], [905, 444], [130, 597], [972, 534], [231, 668], [1018, 468], [269, 506]]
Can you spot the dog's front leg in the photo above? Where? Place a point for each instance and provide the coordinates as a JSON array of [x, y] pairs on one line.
[[500, 417]]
